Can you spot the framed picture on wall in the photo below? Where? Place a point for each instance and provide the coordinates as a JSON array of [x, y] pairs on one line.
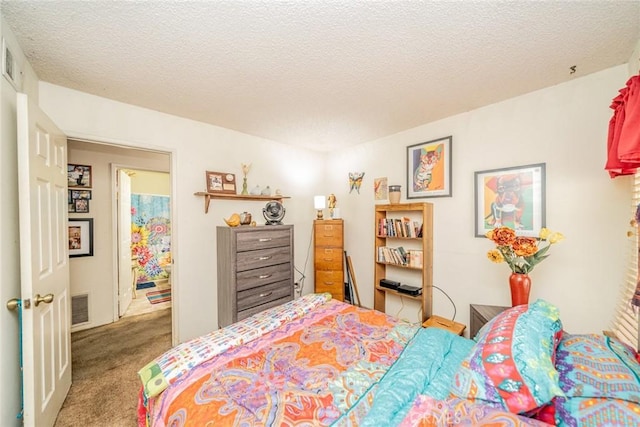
[[81, 206], [429, 169], [78, 176], [80, 237], [513, 197], [221, 182]]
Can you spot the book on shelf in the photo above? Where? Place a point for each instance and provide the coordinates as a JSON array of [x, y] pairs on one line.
[[399, 227], [396, 256], [415, 258]]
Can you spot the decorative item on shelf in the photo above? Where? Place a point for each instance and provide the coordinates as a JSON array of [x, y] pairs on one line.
[[332, 201], [278, 192], [318, 203], [521, 254], [246, 167], [233, 221], [245, 218], [394, 194], [273, 212], [266, 191], [255, 191], [221, 182]]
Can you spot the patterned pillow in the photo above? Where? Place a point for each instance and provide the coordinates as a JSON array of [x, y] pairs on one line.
[[601, 380], [512, 364]]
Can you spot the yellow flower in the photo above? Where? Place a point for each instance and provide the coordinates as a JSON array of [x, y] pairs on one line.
[[495, 256], [556, 238], [544, 233]]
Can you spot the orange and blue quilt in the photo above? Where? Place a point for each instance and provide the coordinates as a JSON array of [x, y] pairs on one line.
[[312, 370]]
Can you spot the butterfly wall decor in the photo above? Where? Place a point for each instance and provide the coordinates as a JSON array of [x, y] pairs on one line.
[[355, 181]]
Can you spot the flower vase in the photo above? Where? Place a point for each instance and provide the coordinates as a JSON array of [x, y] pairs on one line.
[[244, 186], [520, 285]]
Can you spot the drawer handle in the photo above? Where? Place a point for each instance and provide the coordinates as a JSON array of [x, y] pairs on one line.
[[266, 294], [262, 258], [264, 276], [328, 259], [328, 283], [264, 239]]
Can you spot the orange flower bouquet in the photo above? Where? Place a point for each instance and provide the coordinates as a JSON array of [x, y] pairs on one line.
[[521, 253]]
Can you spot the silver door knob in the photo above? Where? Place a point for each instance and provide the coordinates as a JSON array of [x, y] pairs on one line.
[[48, 298]]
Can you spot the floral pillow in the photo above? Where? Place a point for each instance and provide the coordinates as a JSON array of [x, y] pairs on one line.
[[512, 364], [601, 380]]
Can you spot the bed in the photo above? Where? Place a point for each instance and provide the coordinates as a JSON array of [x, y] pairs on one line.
[[318, 361]]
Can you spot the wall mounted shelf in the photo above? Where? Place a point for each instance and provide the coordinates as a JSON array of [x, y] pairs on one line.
[[209, 196]]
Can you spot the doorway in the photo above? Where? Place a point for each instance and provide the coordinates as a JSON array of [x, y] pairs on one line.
[[96, 280], [144, 236]]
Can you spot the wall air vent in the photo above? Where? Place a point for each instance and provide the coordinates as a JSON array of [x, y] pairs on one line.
[[79, 309]]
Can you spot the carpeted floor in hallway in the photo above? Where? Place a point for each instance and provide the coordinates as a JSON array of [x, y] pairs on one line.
[[106, 360]]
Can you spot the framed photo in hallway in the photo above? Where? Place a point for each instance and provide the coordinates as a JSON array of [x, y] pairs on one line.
[[80, 237], [78, 176]]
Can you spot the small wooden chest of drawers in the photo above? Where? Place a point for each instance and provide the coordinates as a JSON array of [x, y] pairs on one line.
[[481, 314], [328, 260], [255, 270]]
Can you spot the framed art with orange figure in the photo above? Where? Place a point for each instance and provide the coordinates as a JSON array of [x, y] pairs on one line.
[[512, 197], [429, 169]]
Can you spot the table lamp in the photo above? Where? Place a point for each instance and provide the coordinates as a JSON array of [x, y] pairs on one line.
[[319, 204]]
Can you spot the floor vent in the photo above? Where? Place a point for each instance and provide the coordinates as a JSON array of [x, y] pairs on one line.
[[79, 309]]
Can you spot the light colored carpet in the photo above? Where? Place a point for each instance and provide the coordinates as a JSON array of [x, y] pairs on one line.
[[106, 360]]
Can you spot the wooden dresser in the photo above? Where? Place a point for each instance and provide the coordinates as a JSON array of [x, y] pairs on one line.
[[328, 260], [255, 270]]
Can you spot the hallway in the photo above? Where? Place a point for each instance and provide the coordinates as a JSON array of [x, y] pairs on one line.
[[106, 359]]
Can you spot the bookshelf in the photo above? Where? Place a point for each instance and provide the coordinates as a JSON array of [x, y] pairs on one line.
[[404, 243]]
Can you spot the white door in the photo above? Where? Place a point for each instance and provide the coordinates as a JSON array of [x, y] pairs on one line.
[[125, 278], [44, 264]]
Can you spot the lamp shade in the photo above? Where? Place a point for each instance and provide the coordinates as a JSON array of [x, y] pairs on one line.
[[319, 202]]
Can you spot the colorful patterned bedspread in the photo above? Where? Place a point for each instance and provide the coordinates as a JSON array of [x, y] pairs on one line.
[[311, 370]]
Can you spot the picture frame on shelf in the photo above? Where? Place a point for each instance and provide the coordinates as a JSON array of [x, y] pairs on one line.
[[80, 231], [512, 197], [221, 182], [429, 169], [79, 176]]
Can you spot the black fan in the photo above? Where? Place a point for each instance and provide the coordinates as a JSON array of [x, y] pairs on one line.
[[273, 212]]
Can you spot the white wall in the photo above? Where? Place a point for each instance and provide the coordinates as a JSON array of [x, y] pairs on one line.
[[197, 147], [564, 126]]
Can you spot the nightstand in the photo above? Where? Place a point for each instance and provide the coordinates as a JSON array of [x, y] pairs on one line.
[[481, 314], [442, 323]]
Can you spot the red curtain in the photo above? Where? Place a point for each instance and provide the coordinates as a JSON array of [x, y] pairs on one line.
[[623, 145]]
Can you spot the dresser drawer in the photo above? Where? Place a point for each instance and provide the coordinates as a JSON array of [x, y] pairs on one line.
[[328, 258], [263, 239], [261, 276], [264, 294], [263, 258], [328, 234], [329, 281], [258, 308]]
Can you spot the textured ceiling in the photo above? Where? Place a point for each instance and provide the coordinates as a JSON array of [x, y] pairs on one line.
[[319, 74]]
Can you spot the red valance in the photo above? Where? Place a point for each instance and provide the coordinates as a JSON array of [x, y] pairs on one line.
[[623, 145]]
